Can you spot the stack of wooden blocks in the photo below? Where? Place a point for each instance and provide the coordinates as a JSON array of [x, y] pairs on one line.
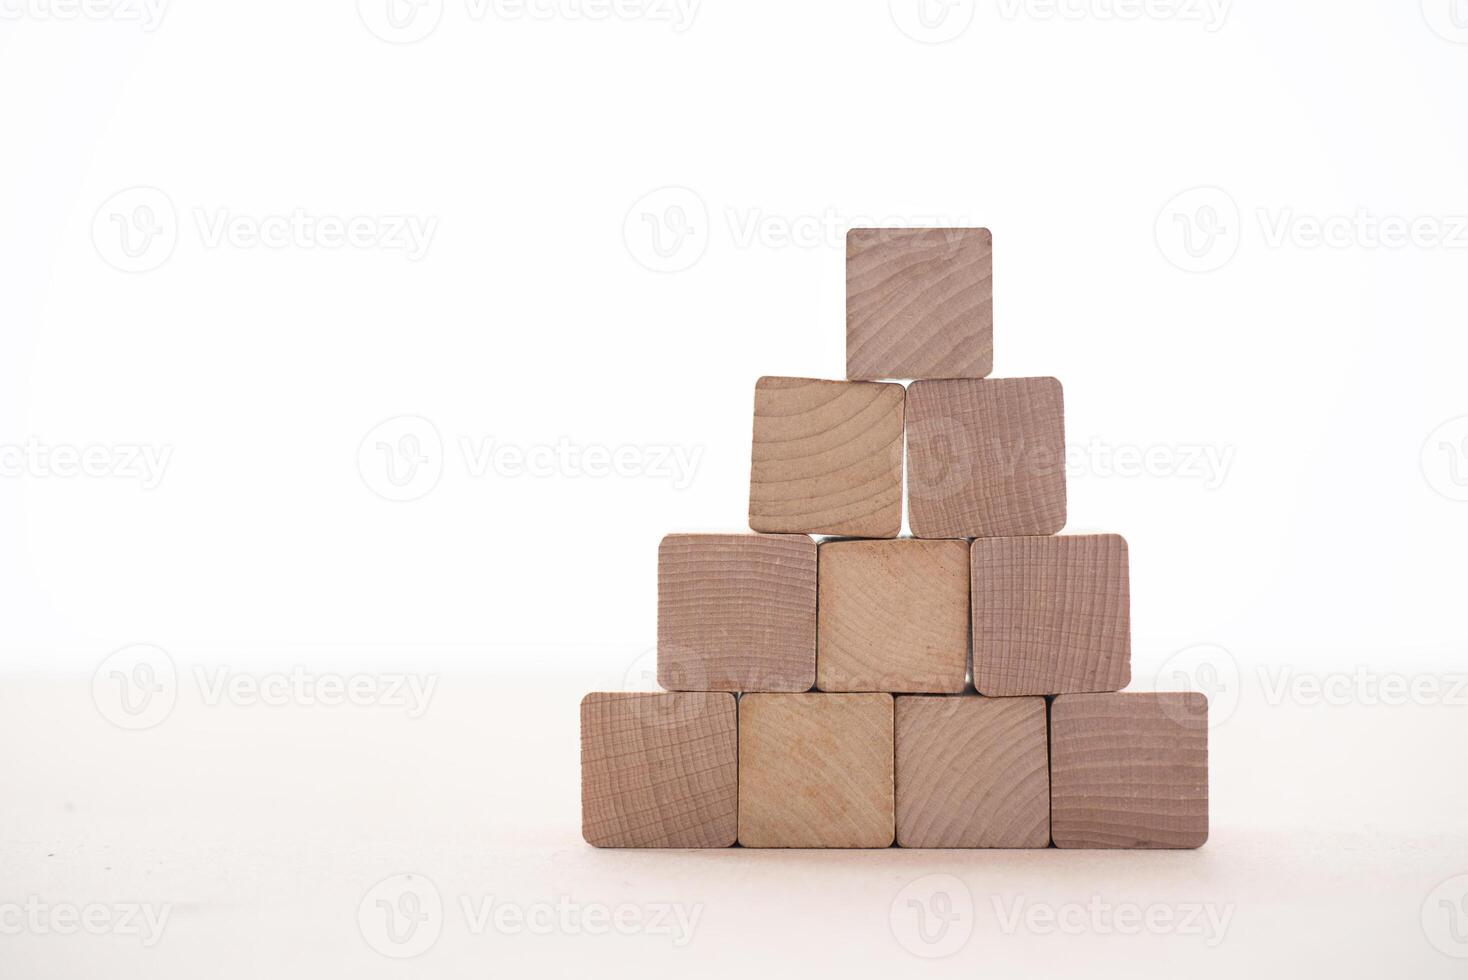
[[821, 695]]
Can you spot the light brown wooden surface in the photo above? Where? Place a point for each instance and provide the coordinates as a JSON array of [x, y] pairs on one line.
[[1051, 615], [892, 616], [985, 457], [919, 303], [737, 612], [826, 457], [972, 772], [659, 770], [815, 770], [1129, 770]]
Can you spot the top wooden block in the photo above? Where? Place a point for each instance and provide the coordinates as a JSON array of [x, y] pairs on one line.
[[737, 612], [826, 458], [985, 457], [919, 303]]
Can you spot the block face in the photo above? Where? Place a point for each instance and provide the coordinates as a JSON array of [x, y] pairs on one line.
[[826, 458], [659, 770], [815, 770], [892, 616], [986, 457], [919, 303], [1051, 615], [736, 612], [972, 772], [1129, 770]]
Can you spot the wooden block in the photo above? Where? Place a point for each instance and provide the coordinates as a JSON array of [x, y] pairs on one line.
[[892, 616], [659, 770], [985, 457], [815, 770], [1129, 770], [1051, 615], [919, 303], [972, 772], [827, 458], [737, 612]]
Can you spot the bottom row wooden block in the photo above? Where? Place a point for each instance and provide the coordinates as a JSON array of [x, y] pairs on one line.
[[1125, 770]]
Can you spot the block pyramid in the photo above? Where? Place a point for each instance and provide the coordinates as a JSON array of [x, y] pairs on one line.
[[961, 688]]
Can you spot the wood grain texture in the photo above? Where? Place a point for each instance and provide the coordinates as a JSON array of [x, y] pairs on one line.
[[1129, 770], [659, 770], [1051, 615], [736, 612], [919, 303], [972, 772], [892, 616], [815, 770], [826, 457], [985, 457]]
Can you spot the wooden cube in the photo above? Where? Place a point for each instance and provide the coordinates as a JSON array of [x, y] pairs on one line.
[[892, 616], [972, 772], [815, 770], [826, 458], [1051, 615], [919, 303], [737, 612], [659, 770], [985, 457], [1129, 770]]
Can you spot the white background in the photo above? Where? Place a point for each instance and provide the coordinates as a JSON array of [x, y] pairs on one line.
[[1236, 232]]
